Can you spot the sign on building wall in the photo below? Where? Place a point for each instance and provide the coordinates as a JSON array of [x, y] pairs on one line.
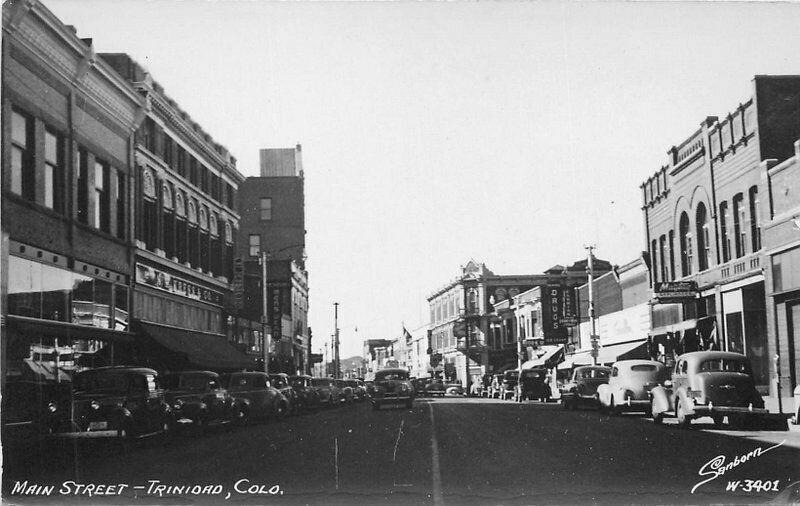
[[674, 291], [558, 313], [237, 284], [160, 280], [623, 326]]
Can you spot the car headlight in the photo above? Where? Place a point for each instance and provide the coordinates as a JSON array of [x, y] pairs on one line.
[[178, 404], [95, 405], [52, 407]]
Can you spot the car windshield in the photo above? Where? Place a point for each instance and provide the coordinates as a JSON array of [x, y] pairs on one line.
[[391, 376], [101, 382], [725, 365]]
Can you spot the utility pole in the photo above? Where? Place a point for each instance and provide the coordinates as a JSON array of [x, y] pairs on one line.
[[264, 318], [593, 337], [336, 365]]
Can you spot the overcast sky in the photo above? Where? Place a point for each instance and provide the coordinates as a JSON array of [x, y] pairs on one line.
[[432, 133]]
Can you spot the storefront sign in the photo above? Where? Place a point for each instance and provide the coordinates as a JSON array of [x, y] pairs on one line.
[[155, 278], [674, 291], [558, 312], [237, 284]]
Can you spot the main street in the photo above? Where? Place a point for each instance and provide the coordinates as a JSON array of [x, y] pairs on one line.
[[443, 451]]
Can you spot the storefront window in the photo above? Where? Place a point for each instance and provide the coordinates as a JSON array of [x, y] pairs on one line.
[[120, 307], [56, 291], [786, 270], [24, 287], [82, 300]]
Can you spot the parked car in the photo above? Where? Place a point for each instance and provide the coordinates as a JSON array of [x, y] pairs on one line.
[[629, 386], [715, 384], [307, 396], [581, 390], [420, 385], [259, 399], [31, 408], [198, 398], [453, 388], [435, 388], [359, 389], [533, 385], [118, 401], [391, 386], [346, 393], [509, 384], [327, 391], [280, 381]]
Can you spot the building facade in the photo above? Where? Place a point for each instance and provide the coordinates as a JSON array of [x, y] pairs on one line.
[[273, 223], [781, 235], [184, 221], [704, 214], [68, 123], [471, 339]]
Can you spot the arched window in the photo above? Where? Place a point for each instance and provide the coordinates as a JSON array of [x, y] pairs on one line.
[[685, 236], [703, 237]]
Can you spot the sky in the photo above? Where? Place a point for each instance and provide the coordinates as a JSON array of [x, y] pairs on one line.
[[512, 133]]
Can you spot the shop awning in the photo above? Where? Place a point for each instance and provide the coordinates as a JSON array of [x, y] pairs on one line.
[[36, 328], [548, 356], [198, 349], [607, 354], [675, 327]]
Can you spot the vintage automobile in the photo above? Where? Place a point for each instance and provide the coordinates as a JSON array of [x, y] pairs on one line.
[[509, 384], [359, 389], [327, 391], [258, 398], [435, 388], [420, 385], [346, 392], [306, 394], [581, 390], [391, 386], [533, 385], [628, 387], [711, 383], [453, 388], [33, 408], [198, 399], [280, 381], [120, 401]]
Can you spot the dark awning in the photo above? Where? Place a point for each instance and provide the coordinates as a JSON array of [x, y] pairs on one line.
[[198, 349], [34, 327]]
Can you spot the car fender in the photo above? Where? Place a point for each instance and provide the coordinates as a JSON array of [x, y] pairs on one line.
[[661, 400], [685, 401], [604, 394]]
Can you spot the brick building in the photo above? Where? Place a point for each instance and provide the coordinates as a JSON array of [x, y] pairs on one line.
[[704, 214], [781, 236], [272, 209], [68, 123]]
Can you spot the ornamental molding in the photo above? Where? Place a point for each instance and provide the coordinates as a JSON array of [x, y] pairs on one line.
[[192, 211], [149, 183], [212, 225], [203, 218], [228, 233], [180, 206], [166, 196]]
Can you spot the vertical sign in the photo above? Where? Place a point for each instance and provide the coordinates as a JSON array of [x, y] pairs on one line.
[[275, 313], [237, 285], [553, 309]]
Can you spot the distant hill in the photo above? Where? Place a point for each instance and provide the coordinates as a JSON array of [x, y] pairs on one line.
[[351, 362]]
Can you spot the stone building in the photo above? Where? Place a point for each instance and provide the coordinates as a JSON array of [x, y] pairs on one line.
[[185, 220]]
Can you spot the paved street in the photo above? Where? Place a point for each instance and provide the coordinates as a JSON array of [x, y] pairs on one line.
[[444, 451]]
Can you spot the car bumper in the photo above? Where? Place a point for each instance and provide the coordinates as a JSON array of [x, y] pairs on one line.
[[709, 410], [389, 398]]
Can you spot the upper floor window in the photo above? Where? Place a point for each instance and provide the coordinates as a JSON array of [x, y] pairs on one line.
[[654, 259], [663, 256], [168, 145], [671, 245], [703, 237], [102, 206], [685, 236], [83, 186], [180, 160], [53, 169], [724, 221], [230, 196], [739, 225], [149, 134], [755, 218], [121, 200], [23, 174], [472, 301], [255, 245], [266, 209]]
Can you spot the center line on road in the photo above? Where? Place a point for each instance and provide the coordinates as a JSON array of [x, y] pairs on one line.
[[437, 477]]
